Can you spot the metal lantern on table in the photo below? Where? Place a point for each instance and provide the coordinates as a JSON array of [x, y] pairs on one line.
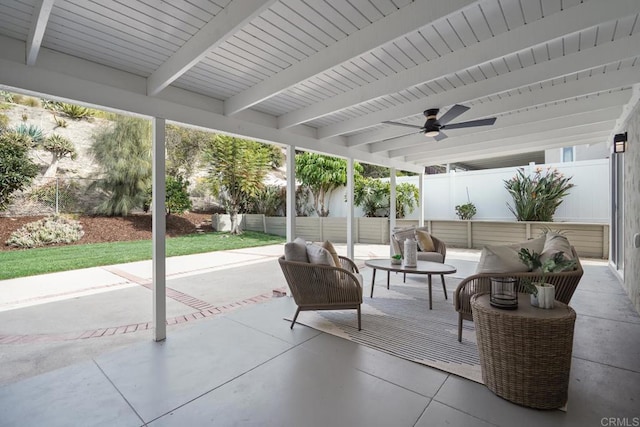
[[503, 293]]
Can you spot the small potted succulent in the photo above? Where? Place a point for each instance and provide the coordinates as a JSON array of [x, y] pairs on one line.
[[542, 293], [396, 259]]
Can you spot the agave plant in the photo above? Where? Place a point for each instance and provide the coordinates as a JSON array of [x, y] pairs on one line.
[[75, 112], [32, 131]]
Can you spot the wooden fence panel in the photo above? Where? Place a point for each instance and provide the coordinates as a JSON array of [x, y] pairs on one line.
[[334, 229], [453, 233], [254, 222], [276, 225], [589, 240], [497, 233], [309, 228], [373, 231]]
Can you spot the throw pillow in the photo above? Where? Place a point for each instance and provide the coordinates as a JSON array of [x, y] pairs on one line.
[[425, 243], [296, 251], [555, 243], [404, 233], [329, 246], [500, 259], [399, 236], [319, 255], [534, 245]]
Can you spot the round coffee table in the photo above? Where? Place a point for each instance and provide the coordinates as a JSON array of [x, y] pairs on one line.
[[423, 267]]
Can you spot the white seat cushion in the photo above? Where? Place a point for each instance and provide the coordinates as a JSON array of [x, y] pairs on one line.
[[431, 256]]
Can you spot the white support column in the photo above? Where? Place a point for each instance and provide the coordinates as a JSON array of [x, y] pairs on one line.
[[350, 218], [159, 221], [291, 193], [421, 199], [392, 205]]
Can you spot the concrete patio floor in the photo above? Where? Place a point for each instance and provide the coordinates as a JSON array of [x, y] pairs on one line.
[[244, 366]]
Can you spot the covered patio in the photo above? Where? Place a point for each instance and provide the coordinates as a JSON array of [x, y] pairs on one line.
[[328, 76], [247, 367]]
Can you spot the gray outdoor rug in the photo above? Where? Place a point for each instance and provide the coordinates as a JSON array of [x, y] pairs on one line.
[[398, 321]]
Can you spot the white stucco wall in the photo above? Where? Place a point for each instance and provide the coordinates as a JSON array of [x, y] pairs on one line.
[[581, 152], [632, 209]]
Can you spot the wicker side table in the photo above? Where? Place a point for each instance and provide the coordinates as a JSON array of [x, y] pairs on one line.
[[525, 354]]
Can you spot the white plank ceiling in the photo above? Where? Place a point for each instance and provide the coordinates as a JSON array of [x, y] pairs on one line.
[[325, 75]]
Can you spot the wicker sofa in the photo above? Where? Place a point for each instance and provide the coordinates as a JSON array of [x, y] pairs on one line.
[[565, 283], [317, 283]]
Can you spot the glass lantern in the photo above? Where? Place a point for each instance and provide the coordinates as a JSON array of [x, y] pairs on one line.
[[504, 293]]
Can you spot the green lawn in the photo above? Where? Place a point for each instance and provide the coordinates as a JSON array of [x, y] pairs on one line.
[[30, 262]]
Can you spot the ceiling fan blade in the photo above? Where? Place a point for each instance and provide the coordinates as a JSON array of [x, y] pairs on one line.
[[453, 112], [440, 136], [469, 124], [402, 136], [403, 124]]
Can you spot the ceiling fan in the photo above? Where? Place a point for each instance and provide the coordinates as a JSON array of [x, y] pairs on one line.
[[432, 127]]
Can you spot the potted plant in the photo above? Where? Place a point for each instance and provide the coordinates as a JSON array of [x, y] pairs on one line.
[[543, 293], [396, 259], [466, 211]]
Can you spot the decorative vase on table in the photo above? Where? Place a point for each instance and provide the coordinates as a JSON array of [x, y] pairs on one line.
[[410, 253], [545, 297]]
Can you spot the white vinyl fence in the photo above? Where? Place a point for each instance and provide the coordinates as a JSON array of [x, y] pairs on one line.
[[588, 201]]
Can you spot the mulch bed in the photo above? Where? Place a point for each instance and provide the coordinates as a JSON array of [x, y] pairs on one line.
[[113, 229]]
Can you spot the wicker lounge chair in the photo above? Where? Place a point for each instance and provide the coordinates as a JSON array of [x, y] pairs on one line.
[[397, 244], [565, 283], [323, 287]]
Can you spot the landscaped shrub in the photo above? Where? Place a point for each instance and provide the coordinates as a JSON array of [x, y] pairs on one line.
[[76, 112], [536, 198], [31, 102], [270, 201], [17, 170], [47, 231], [6, 96], [177, 200], [31, 130], [374, 196]]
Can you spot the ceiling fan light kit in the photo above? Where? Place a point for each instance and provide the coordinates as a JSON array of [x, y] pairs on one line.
[[432, 127]]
